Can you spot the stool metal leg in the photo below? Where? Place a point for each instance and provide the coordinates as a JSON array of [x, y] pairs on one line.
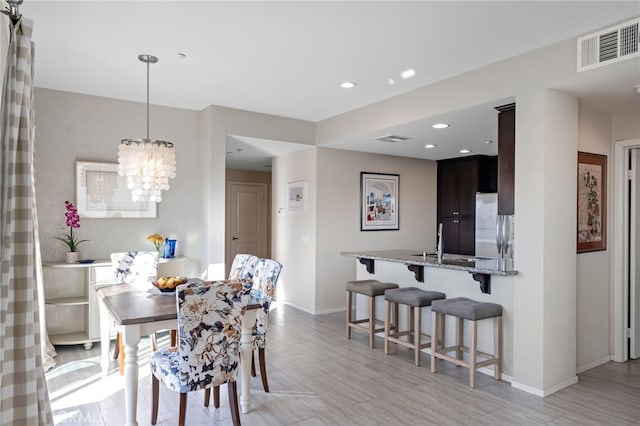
[[473, 349]]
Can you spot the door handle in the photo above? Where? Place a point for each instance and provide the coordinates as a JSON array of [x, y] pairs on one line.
[[234, 238]]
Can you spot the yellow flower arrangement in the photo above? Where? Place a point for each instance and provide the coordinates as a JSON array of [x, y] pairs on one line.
[[157, 240]]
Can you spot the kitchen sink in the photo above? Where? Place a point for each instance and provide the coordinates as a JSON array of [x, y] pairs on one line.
[[459, 262]]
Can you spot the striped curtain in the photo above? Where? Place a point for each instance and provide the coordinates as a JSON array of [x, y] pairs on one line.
[[23, 391]]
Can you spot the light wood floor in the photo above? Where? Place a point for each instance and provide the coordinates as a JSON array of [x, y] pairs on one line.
[[318, 377]]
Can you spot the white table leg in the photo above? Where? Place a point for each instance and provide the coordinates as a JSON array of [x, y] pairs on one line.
[[105, 331], [131, 337], [246, 353]]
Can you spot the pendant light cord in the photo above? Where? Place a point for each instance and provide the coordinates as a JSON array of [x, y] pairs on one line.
[[148, 99]]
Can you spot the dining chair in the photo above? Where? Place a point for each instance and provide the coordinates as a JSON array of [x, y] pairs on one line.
[[242, 269], [265, 279], [208, 352], [139, 269], [243, 266]]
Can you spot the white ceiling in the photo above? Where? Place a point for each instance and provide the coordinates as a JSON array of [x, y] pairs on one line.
[[288, 58]]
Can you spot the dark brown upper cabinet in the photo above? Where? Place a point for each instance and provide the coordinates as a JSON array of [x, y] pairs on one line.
[[506, 157]]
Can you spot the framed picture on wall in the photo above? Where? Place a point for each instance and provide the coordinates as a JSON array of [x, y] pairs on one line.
[[296, 196], [379, 202], [592, 202], [102, 194]]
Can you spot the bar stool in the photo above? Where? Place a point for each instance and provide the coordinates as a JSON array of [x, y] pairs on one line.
[[371, 289], [466, 309], [415, 299]]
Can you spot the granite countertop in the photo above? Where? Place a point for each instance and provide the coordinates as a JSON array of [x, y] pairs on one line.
[[481, 265]]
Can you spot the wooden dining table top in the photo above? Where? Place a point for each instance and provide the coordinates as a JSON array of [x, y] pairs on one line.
[[129, 305]]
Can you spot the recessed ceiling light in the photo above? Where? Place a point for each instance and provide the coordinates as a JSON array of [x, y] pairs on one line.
[[408, 73], [430, 145], [440, 126], [488, 142], [391, 81], [348, 84], [464, 151]]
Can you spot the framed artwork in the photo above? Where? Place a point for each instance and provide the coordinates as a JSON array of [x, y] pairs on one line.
[[296, 196], [592, 202], [102, 194], [379, 202]]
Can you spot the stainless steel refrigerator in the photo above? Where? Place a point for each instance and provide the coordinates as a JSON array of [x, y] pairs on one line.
[[486, 217], [493, 232]]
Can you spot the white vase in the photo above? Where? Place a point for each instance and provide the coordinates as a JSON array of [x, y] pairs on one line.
[[72, 257]]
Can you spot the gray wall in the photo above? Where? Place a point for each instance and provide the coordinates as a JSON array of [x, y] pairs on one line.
[[71, 127], [593, 290], [338, 215], [295, 232]]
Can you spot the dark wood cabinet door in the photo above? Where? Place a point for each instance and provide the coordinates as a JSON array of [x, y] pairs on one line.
[[467, 187], [467, 236], [447, 189], [506, 158], [450, 234]]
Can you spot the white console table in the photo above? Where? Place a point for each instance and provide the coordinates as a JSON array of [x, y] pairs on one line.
[[73, 315]]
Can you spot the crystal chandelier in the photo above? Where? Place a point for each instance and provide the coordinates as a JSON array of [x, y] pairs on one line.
[[147, 164]]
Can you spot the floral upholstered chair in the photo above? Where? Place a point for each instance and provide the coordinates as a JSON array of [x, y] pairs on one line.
[[241, 270], [208, 352], [264, 285], [139, 269], [243, 266]]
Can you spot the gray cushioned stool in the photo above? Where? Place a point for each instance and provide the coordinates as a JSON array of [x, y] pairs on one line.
[[466, 309], [415, 299], [371, 289]]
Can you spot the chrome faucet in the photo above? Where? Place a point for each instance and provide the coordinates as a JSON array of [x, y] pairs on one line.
[[439, 243]]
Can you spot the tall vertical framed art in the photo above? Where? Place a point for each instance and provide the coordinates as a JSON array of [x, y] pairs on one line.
[[592, 202]]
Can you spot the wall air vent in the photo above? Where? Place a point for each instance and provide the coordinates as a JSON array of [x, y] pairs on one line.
[[392, 138], [608, 46]]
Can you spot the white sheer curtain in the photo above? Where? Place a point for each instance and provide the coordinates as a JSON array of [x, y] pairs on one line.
[[23, 391]]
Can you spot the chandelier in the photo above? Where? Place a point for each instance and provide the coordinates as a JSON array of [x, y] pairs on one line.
[[147, 164]]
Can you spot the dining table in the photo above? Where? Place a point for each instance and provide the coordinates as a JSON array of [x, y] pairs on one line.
[[139, 312]]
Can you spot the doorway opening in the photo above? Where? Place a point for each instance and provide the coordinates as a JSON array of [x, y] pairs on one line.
[[626, 251]]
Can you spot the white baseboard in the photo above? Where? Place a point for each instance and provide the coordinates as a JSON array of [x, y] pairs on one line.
[[300, 308], [593, 364], [545, 392], [321, 312]]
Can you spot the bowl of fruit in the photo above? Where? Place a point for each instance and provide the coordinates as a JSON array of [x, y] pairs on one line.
[[168, 284]]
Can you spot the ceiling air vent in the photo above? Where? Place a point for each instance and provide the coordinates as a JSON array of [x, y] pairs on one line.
[[609, 46], [392, 138]]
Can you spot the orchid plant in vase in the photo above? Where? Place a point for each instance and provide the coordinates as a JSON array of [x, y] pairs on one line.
[[73, 222]]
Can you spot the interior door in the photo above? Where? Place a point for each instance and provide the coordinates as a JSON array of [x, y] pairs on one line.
[[247, 220], [634, 252]]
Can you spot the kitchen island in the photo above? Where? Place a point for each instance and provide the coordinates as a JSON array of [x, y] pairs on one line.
[[481, 279]]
